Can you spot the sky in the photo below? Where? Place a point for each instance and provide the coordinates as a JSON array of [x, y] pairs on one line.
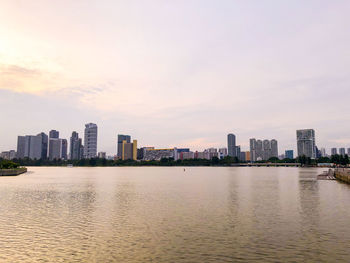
[[181, 73]]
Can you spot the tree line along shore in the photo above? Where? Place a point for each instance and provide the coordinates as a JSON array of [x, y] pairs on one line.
[[338, 160]]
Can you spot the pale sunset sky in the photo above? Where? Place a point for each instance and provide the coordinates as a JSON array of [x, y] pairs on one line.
[[180, 73]]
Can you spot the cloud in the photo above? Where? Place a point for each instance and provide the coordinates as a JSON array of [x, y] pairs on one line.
[[26, 80]]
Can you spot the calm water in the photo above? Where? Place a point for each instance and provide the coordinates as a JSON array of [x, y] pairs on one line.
[[168, 215]]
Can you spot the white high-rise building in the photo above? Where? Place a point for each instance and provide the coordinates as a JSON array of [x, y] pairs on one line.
[[306, 143], [263, 150], [90, 141], [32, 147]]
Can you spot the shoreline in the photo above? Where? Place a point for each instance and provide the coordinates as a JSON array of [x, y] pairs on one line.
[[13, 172]]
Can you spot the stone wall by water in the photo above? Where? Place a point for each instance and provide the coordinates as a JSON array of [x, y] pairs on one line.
[[11, 172], [342, 175]]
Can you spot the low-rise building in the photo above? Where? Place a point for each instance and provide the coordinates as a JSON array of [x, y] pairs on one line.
[[202, 155], [101, 155], [158, 154], [186, 155]]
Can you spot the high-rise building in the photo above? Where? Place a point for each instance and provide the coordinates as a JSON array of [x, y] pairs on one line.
[[266, 149], [247, 156], [259, 150], [45, 145], [90, 141], [348, 151], [274, 148], [54, 134], [231, 145], [32, 146], [21, 147], [334, 151], [263, 150], [238, 152], [252, 143], [323, 152], [58, 149], [122, 138], [242, 157], [289, 154], [8, 155], [75, 147], [306, 143], [129, 150], [342, 151]]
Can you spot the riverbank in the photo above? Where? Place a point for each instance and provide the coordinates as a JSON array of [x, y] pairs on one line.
[[13, 172], [342, 175]]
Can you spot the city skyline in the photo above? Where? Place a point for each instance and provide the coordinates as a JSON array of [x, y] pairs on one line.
[[176, 73], [33, 146]]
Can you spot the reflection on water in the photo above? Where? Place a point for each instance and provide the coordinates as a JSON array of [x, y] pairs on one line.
[[168, 215]]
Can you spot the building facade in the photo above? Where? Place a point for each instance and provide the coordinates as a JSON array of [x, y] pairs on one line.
[[58, 149], [120, 140], [158, 154], [342, 151], [334, 151], [289, 154], [129, 150], [90, 141], [306, 143], [263, 150], [8, 155], [231, 145], [101, 155], [32, 146], [76, 149]]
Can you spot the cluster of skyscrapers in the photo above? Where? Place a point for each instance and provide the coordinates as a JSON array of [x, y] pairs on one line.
[[52, 147], [43, 146]]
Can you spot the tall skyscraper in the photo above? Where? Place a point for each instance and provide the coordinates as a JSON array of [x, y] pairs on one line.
[[323, 152], [129, 150], [231, 145], [21, 147], [274, 148], [263, 150], [45, 144], [32, 146], [252, 143], [266, 149], [122, 138], [75, 147], [57, 149], [342, 151], [334, 151], [54, 134], [90, 141], [306, 143]]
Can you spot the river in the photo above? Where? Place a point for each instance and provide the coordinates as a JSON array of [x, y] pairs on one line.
[[168, 214]]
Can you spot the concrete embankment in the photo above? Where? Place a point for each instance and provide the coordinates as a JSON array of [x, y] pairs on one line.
[[12, 172], [342, 175]]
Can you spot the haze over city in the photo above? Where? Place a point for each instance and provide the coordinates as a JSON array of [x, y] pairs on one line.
[[176, 73]]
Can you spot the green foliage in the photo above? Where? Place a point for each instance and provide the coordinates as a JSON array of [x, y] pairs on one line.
[[6, 164], [340, 159]]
